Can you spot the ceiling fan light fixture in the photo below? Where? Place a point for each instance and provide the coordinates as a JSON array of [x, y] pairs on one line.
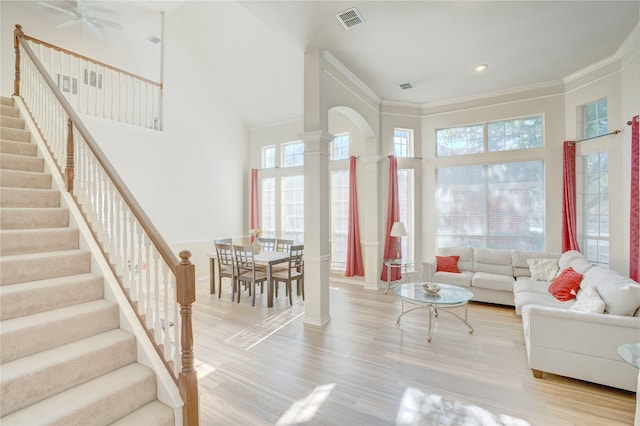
[[480, 67]]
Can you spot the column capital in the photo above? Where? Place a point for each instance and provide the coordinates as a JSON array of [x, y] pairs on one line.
[[316, 136]]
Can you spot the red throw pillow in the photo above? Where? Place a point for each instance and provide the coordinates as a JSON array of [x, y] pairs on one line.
[[448, 264], [566, 285]]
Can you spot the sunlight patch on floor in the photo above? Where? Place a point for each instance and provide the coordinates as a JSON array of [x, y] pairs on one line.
[[203, 369], [419, 408], [303, 410], [251, 336]]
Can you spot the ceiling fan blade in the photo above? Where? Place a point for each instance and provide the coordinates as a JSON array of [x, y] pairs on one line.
[[54, 7], [96, 31], [67, 24], [107, 23]]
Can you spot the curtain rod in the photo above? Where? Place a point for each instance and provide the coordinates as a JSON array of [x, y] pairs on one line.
[[615, 132], [629, 123], [408, 158]]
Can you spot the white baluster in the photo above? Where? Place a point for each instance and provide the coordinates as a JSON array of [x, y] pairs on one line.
[[167, 288]]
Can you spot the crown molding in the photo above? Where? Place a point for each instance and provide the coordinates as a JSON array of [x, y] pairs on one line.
[[333, 61]]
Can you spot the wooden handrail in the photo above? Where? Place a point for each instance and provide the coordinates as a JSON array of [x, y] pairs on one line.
[[88, 59], [138, 212]]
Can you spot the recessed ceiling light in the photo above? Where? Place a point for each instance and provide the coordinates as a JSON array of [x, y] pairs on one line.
[[480, 67]]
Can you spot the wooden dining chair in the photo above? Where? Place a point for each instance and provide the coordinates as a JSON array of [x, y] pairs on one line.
[[267, 244], [295, 272], [283, 245], [247, 271], [226, 267]]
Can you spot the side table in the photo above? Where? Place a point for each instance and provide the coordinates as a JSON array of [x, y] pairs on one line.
[[396, 263]]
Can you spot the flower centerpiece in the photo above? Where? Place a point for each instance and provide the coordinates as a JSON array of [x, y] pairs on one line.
[[255, 233]]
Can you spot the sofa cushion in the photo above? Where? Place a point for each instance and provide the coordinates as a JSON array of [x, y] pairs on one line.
[[528, 285], [566, 285], [588, 300], [465, 263], [565, 259], [492, 281], [543, 269], [493, 261], [525, 298], [462, 279], [519, 260], [621, 295], [447, 264], [581, 265]]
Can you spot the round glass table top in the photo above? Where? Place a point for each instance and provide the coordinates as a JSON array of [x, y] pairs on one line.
[[448, 294], [630, 352]]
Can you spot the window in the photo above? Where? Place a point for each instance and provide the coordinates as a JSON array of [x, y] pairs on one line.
[[292, 208], [340, 147], [506, 135], [594, 119], [268, 207], [268, 157], [493, 205], [407, 212], [596, 208], [403, 142], [339, 218], [293, 154]]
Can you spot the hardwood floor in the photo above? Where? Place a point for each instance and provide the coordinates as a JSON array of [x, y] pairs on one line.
[[260, 366]]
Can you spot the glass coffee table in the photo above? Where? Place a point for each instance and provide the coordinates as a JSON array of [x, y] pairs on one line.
[[449, 296]]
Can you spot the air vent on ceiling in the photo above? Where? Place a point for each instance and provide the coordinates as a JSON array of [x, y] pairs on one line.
[[153, 39], [350, 18], [405, 86]]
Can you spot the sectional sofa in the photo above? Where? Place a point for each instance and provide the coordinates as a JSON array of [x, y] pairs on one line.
[[577, 337]]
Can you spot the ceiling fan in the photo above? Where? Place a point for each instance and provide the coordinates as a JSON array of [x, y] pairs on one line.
[[82, 14]]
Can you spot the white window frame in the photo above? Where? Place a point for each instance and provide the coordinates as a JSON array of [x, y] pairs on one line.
[[269, 161], [297, 156], [401, 143], [595, 246]]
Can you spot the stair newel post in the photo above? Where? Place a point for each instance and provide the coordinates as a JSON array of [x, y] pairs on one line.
[[188, 378], [69, 171], [17, 34]]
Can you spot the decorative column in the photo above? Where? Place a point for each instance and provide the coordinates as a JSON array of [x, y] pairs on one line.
[[370, 222], [316, 226]]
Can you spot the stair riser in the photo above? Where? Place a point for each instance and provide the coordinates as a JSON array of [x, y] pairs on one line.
[[21, 162], [40, 296], [20, 179], [9, 111], [15, 134], [18, 148], [21, 269], [67, 372], [37, 240], [6, 100], [19, 342], [29, 198], [12, 122], [33, 218]]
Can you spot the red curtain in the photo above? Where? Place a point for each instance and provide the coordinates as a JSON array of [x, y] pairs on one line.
[[569, 223], [354, 253], [393, 215], [634, 220], [254, 201]]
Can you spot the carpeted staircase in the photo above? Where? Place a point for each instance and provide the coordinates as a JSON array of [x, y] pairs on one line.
[[64, 358]]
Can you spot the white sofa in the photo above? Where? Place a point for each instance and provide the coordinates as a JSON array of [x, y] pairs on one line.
[[558, 339]]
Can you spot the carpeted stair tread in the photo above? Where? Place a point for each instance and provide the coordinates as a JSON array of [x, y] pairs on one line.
[[20, 218], [23, 241], [24, 336], [22, 179], [12, 122], [9, 110], [29, 197], [20, 268], [28, 380], [15, 134], [18, 148], [6, 100], [99, 401], [33, 297], [21, 162], [154, 413]]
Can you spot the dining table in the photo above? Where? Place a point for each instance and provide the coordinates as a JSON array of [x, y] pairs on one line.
[[264, 258]]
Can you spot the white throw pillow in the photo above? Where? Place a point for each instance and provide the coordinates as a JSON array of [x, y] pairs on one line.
[[543, 269], [588, 300]]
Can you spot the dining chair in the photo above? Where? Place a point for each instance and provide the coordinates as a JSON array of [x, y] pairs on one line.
[[247, 271], [226, 267], [295, 272], [283, 245], [223, 241], [267, 244]]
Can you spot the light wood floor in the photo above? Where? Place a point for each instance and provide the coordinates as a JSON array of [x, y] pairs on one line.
[[261, 366]]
